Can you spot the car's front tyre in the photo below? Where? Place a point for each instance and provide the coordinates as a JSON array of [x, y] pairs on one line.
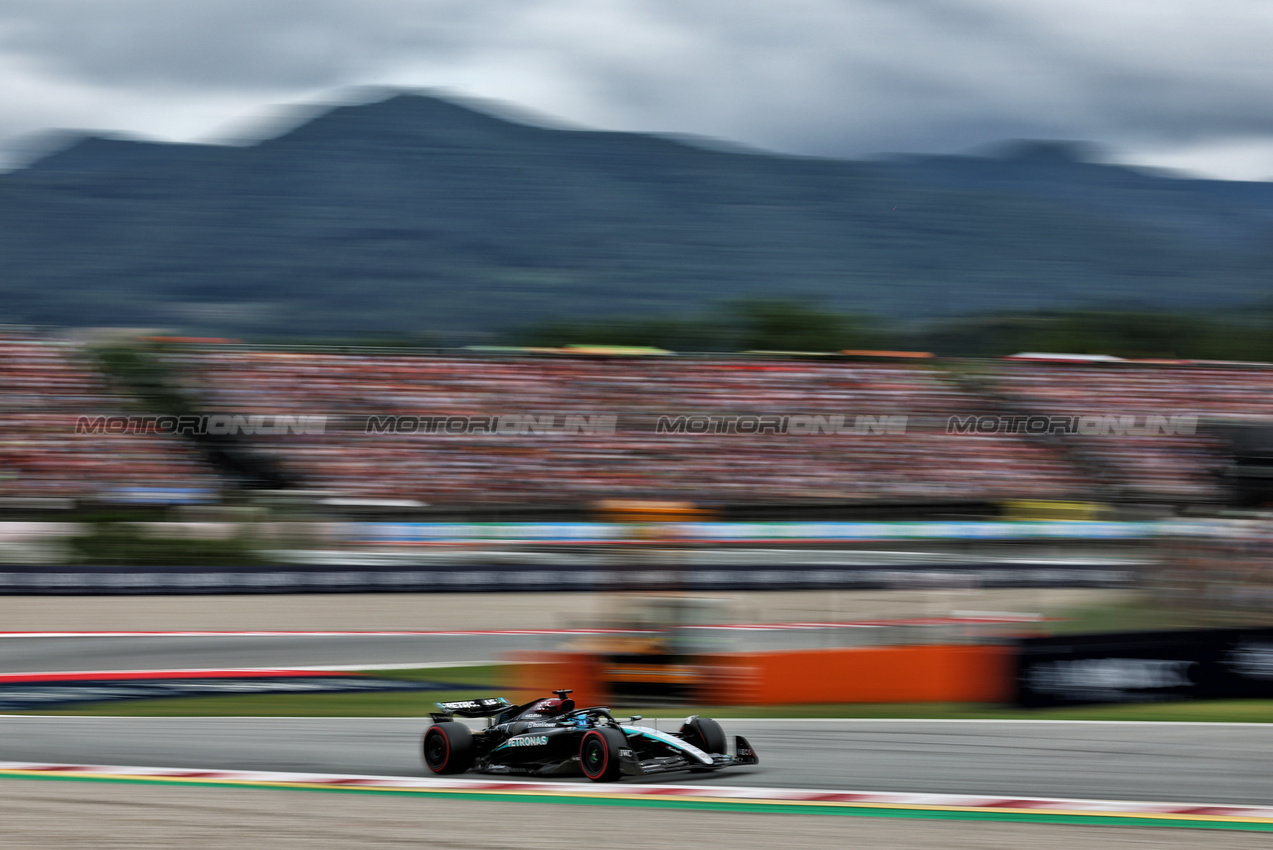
[[706, 734], [599, 753]]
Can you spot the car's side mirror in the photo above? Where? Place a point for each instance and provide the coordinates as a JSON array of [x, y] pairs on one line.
[[634, 718]]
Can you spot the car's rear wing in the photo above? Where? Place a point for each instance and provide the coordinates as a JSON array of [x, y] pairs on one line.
[[485, 707]]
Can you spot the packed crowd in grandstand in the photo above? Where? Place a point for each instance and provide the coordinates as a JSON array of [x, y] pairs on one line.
[[47, 384], [1165, 466], [914, 465]]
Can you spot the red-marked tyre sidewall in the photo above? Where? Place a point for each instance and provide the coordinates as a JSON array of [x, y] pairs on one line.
[[448, 748], [607, 742], [429, 745]]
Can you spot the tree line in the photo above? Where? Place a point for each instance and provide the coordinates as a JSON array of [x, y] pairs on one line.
[[793, 326]]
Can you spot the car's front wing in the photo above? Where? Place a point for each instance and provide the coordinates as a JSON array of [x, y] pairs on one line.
[[631, 765]]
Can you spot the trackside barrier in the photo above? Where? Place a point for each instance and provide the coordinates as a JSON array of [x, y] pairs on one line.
[[423, 533], [1140, 667], [503, 578], [889, 674], [534, 674], [893, 674]]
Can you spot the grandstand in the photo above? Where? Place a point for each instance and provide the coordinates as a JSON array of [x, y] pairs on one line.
[[45, 385], [48, 383], [1176, 468], [917, 465]]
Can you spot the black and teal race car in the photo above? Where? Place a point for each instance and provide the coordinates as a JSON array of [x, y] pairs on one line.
[[551, 737]]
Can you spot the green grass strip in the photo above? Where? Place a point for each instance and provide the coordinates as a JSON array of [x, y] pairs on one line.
[[483, 680], [419, 703], [740, 807]]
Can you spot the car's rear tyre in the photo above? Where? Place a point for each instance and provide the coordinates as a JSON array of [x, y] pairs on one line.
[[448, 747], [706, 734], [599, 753]]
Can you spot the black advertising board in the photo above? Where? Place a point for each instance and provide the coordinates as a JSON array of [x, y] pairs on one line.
[[1145, 667], [504, 578]]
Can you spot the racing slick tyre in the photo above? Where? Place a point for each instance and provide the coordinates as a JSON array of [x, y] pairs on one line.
[[599, 753], [706, 734], [448, 747]]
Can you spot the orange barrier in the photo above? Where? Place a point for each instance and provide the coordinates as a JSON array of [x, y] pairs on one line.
[[963, 673], [875, 674], [537, 674]]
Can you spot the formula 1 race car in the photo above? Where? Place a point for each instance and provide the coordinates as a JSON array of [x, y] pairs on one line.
[[550, 737]]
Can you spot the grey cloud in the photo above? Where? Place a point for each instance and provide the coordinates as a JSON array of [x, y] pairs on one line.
[[839, 77], [231, 44]]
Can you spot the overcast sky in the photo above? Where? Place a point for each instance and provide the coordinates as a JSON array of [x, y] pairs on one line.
[[1162, 82]]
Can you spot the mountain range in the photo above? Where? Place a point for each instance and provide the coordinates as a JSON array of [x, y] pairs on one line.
[[418, 215]]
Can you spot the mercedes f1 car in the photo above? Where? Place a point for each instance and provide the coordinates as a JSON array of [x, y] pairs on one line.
[[550, 737]]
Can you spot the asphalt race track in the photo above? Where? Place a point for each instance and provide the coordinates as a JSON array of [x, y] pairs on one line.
[[1203, 763], [1192, 763]]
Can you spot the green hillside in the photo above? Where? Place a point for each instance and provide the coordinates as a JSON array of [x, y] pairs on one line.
[[419, 216]]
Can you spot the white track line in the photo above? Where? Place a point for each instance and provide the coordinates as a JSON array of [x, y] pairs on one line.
[[660, 718], [784, 626], [325, 668], [435, 633]]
